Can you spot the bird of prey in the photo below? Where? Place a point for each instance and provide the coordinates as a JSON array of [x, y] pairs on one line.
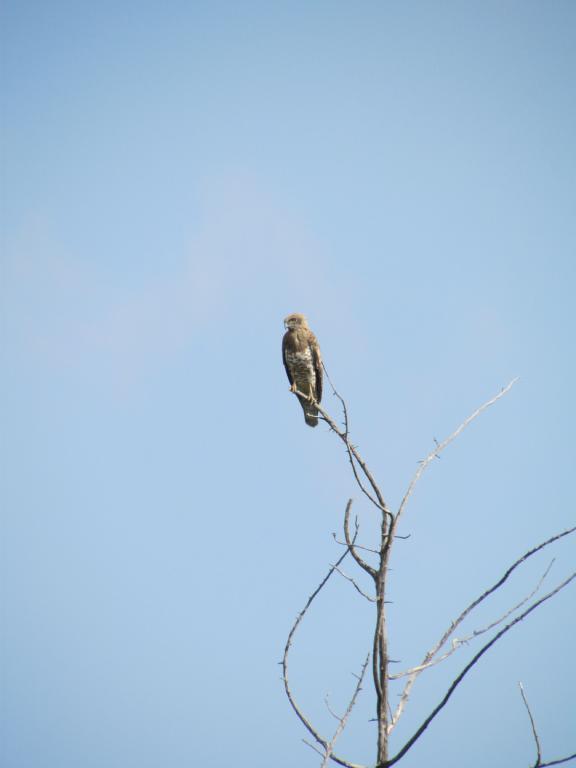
[[303, 363]]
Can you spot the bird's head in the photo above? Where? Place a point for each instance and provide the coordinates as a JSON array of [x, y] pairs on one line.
[[295, 321]]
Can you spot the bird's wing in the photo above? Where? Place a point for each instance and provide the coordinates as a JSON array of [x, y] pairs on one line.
[[286, 366], [317, 363]]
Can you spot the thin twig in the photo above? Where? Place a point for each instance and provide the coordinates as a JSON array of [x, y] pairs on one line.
[[459, 642], [346, 715], [439, 447], [533, 724], [351, 450], [412, 740], [510, 611], [314, 747], [505, 576], [329, 708], [356, 586], [356, 546], [538, 762], [377, 499]]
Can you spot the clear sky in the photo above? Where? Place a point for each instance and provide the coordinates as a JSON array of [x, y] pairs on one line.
[[176, 178]]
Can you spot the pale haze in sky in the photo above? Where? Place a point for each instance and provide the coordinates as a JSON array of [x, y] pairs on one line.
[[177, 178]]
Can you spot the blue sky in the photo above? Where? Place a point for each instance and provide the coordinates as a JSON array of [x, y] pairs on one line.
[[178, 177]]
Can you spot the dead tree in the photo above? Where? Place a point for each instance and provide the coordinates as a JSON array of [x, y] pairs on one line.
[[386, 717]]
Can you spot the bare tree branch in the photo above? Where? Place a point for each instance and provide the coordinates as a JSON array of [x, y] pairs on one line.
[[387, 540], [303, 719], [505, 576], [380, 652], [429, 657], [414, 738], [350, 543]]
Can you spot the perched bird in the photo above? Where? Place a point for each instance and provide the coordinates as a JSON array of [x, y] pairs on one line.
[[303, 363]]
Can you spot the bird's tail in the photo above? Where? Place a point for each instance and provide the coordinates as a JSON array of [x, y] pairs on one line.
[[310, 412]]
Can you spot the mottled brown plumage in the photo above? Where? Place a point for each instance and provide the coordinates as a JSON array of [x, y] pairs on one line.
[[303, 363]]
